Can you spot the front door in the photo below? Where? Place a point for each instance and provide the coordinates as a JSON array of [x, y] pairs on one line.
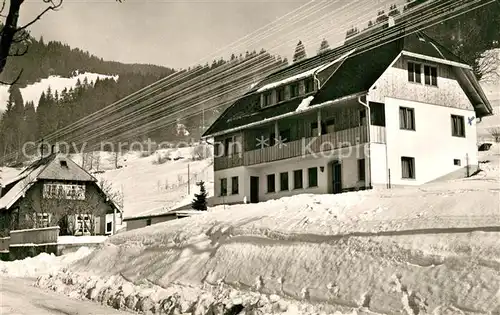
[[254, 189], [337, 177]]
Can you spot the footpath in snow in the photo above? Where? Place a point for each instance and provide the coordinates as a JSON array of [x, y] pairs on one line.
[[425, 250]]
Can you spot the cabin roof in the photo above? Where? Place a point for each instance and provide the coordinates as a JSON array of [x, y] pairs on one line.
[[354, 74]]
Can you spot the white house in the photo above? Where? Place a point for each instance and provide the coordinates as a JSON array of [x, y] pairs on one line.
[[304, 129]]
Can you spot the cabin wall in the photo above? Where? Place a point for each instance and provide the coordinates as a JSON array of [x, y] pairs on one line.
[[394, 83], [21, 215]]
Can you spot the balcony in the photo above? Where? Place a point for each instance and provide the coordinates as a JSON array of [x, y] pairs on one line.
[[302, 147]]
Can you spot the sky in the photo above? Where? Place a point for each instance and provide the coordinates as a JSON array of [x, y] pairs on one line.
[[179, 33]]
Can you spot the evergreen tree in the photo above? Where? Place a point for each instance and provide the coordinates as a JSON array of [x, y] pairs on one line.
[[300, 52], [323, 47], [200, 201], [31, 122]]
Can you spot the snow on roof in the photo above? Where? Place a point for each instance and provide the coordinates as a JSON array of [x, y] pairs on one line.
[[20, 188], [304, 74], [304, 104]]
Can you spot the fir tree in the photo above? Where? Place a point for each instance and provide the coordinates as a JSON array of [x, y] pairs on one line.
[[300, 52], [200, 201], [323, 47]]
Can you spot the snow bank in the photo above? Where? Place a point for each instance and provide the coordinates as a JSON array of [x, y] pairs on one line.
[[64, 240], [41, 264], [377, 251]]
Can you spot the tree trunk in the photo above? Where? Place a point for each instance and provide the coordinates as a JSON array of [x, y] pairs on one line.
[[8, 31]]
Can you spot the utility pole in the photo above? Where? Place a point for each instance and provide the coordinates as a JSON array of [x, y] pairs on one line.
[[189, 182]]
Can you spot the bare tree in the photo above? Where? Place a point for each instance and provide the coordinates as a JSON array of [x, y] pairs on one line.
[[12, 34], [495, 132]]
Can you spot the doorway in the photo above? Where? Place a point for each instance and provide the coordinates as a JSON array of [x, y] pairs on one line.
[[254, 189], [336, 177]]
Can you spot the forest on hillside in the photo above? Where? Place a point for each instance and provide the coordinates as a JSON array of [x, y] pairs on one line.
[[22, 122]]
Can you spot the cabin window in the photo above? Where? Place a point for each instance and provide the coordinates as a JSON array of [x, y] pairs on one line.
[[109, 227], [83, 224], [457, 126], [63, 191], [280, 94], [430, 75], [284, 181], [223, 186], [406, 118], [309, 85], [271, 183], [42, 220], [234, 185], [407, 167], [294, 90], [330, 126], [361, 169], [63, 163], [148, 222], [313, 177], [268, 99], [414, 72], [297, 179], [457, 162]]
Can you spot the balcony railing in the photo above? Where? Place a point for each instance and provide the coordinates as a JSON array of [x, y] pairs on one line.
[[302, 147]]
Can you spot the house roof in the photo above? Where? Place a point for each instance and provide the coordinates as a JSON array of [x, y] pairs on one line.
[[51, 167], [356, 73]]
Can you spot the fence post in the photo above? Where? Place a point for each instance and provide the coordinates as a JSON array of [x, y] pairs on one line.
[[389, 182], [189, 182], [467, 161]]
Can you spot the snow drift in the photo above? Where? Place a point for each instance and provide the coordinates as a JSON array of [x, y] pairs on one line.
[[422, 250]]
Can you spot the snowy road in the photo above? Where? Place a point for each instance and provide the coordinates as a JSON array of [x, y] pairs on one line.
[[18, 297]]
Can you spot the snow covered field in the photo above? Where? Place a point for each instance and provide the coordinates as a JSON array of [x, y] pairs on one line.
[[422, 250], [32, 92]]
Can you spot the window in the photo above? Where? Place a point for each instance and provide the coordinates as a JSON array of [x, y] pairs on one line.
[[63, 163], [297, 179], [227, 146], [280, 94], [457, 126], [268, 98], [309, 85], [42, 220], [109, 227], [407, 167], [294, 90], [223, 186], [271, 183], [313, 176], [414, 72], [430, 74], [330, 126], [362, 117], [234, 185], [284, 181], [406, 118], [457, 162], [148, 222], [361, 169], [63, 191]]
